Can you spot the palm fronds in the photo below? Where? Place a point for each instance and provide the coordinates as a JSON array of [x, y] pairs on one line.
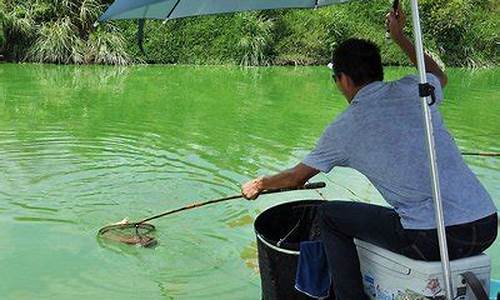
[[106, 47], [255, 40], [61, 32], [88, 12], [2, 34], [18, 29], [58, 43]]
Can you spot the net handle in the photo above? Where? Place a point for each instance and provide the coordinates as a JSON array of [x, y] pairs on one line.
[[491, 154], [309, 186]]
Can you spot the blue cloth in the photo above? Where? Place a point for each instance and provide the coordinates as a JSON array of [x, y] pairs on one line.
[[381, 134], [494, 289], [313, 278]]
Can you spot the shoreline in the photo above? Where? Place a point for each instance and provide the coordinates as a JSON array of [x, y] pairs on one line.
[[4, 60]]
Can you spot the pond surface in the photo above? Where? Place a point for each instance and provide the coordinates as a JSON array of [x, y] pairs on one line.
[[81, 147]]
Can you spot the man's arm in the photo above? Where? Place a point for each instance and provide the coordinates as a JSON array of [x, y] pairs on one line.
[[396, 26], [293, 177]]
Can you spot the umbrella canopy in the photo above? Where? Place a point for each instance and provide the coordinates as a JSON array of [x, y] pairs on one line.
[[172, 9]]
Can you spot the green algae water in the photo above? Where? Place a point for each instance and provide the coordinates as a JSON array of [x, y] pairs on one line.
[[83, 146]]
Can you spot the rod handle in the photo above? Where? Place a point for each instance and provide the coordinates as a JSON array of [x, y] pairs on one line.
[[492, 154], [309, 186], [314, 185]]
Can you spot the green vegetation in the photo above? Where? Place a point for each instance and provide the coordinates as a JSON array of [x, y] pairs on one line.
[[255, 39], [60, 32], [466, 31], [2, 35], [457, 32], [2, 38]]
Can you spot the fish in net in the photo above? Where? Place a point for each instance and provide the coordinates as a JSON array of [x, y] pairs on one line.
[[139, 234]]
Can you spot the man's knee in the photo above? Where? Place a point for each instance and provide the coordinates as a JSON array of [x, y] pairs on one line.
[[331, 211], [336, 209], [341, 217]]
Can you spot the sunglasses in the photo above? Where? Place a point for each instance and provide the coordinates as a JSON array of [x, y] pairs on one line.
[[335, 75]]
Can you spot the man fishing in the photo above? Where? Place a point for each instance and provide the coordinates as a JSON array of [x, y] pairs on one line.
[[381, 135]]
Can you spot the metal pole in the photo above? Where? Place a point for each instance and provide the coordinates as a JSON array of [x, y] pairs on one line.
[[436, 193]]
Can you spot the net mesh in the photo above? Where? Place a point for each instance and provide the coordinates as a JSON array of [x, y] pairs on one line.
[[131, 234]]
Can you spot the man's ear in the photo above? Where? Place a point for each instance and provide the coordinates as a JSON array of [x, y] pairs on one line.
[[346, 82], [347, 86]]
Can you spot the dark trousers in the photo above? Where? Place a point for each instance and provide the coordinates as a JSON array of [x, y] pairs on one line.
[[341, 221]]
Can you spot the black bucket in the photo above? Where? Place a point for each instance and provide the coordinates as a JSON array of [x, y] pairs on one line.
[[279, 230]]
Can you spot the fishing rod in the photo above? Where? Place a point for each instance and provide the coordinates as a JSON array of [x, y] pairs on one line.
[[487, 154], [136, 233]]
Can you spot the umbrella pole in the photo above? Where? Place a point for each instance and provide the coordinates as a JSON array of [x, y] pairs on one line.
[[436, 193]]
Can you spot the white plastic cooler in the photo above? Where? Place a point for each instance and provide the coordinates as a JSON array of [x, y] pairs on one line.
[[390, 276]]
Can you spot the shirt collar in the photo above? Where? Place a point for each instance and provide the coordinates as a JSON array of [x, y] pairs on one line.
[[368, 90]]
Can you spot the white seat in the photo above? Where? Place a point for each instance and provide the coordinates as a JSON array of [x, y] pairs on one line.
[[387, 275]]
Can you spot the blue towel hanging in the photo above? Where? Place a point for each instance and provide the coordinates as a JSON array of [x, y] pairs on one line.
[[313, 278]]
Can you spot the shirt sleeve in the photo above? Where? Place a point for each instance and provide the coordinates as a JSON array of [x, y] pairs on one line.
[[328, 152]]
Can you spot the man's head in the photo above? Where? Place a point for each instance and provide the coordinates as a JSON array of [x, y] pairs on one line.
[[356, 63]]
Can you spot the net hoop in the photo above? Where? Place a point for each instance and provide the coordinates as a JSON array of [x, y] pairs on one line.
[[144, 226], [141, 236]]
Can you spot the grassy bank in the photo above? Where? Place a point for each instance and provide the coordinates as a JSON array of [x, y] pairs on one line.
[[457, 32]]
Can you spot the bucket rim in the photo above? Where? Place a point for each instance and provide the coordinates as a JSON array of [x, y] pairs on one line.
[[276, 248], [268, 243]]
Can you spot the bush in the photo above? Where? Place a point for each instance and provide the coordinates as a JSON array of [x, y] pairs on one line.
[[2, 34], [465, 30], [60, 32], [306, 38], [57, 42], [200, 40], [18, 28], [255, 39], [2, 20], [106, 46], [456, 32]]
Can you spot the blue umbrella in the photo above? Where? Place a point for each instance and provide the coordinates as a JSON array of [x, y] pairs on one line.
[[172, 9]]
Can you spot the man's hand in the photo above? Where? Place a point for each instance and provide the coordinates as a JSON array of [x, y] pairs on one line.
[[293, 177], [395, 22], [252, 189]]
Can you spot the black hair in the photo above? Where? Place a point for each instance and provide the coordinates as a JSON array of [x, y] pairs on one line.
[[360, 60]]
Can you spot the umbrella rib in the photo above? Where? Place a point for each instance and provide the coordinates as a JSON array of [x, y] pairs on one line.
[[146, 12], [172, 10]]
